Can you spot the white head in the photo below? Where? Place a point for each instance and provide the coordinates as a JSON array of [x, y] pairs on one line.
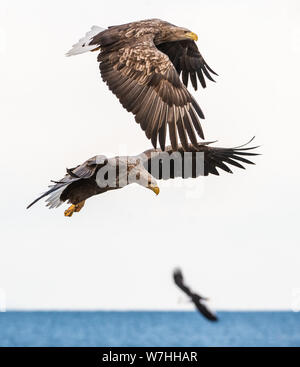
[[122, 171]]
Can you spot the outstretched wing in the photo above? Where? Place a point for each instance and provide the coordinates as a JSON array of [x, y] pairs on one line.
[[147, 84], [74, 176], [205, 311], [178, 279], [187, 60], [197, 161]]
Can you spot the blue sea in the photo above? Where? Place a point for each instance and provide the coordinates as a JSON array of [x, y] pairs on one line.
[[128, 329]]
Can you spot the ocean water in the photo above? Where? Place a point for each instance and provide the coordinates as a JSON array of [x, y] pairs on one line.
[[126, 329]]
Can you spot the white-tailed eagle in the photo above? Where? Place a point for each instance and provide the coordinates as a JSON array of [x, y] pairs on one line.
[[101, 174], [141, 63]]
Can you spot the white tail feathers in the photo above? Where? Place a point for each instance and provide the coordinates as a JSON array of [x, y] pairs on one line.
[[82, 45], [53, 200]]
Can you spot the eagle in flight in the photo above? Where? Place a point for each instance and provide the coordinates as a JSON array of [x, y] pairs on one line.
[[100, 174], [194, 297], [141, 62]]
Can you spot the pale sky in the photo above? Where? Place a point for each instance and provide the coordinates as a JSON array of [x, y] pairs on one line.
[[236, 237]]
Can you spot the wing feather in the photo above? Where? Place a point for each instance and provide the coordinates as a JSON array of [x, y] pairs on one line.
[[196, 160], [147, 84], [188, 61]]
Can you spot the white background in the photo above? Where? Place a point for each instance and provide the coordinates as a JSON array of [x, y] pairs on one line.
[[236, 238]]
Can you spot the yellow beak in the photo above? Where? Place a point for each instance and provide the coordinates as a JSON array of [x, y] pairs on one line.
[[155, 189], [192, 36]]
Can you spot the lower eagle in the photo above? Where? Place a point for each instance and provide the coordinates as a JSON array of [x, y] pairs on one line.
[[101, 174]]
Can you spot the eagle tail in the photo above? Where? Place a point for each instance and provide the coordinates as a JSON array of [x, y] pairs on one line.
[[83, 45], [53, 201]]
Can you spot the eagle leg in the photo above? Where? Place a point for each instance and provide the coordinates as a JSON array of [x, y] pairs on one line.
[[74, 208]]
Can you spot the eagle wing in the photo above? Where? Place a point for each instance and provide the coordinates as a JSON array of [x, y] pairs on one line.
[[178, 279], [205, 311], [196, 161], [187, 60], [147, 84]]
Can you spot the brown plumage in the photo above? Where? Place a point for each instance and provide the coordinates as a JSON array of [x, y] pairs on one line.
[[141, 63], [100, 174]]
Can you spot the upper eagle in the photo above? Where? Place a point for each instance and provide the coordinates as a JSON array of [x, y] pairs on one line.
[[141, 63]]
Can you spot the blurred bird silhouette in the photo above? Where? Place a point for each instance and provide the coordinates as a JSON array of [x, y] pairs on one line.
[[195, 298]]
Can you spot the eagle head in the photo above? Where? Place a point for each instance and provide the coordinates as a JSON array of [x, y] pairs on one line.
[[172, 33]]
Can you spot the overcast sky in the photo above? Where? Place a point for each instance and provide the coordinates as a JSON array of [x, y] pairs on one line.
[[236, 237]]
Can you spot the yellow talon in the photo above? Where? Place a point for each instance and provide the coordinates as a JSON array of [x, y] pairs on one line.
[[69, 212], [74, 208], [79, 206]]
